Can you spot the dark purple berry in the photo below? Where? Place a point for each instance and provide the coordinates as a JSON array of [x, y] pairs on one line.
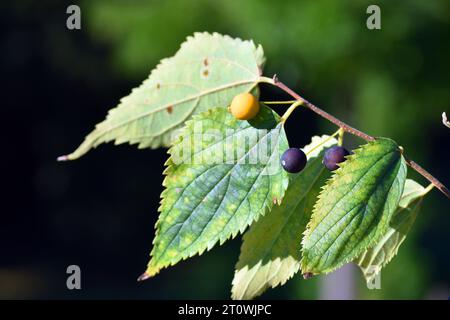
[[293, 160], [333, 156]]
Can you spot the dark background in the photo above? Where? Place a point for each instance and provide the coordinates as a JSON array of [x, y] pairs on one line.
[[98, 212]]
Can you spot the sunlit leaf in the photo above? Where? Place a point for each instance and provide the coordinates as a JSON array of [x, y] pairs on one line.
[[222, 175], [372, 260], [206, 72], [355, 207]]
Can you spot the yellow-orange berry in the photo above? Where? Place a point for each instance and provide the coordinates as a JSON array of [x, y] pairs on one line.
[[244, 106]]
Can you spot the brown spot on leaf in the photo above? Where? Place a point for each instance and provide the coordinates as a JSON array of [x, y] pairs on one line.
[[205, 62], [205, 73], [169, 109], [158, 86], [277, 201]]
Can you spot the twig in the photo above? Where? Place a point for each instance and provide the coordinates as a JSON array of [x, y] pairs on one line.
[[274, 81], [317, 110], [429, 177]]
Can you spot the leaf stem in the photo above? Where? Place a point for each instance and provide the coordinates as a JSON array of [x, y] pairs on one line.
[[345, 127], [428, 188], [341, 137]]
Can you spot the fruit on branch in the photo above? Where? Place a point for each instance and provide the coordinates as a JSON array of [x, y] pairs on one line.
[[208, 202], [334, 156], [293, 160], [244, 106]]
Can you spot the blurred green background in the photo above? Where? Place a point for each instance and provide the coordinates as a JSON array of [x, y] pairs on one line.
[[99, 211]]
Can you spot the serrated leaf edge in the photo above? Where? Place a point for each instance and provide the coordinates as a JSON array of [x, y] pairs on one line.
[[90, 141], [335, 176], [417, 202], [325, 139], [151, 270]]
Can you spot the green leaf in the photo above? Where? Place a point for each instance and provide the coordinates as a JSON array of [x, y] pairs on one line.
[[270, 253], [372, 260], [355, 207], [207, 71], [208, 199]]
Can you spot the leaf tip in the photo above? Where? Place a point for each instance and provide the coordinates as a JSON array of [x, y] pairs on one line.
[[143, 277], [63, 158]]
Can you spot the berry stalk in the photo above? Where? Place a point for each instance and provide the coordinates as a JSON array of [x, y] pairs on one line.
[[290, 110]]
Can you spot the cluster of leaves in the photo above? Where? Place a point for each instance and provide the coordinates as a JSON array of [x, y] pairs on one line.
[[307, 221]]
